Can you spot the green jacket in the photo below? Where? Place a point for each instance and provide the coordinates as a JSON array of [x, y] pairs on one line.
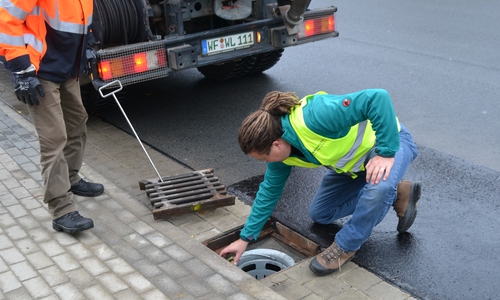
[[331, 116]]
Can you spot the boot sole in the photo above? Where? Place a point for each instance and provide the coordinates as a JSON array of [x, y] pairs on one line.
[[411, 211], [58, 227]]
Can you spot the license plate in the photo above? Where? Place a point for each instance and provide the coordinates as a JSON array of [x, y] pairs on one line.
[[227, 43]]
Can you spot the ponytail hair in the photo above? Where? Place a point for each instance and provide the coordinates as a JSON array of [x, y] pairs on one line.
[[262, 127]]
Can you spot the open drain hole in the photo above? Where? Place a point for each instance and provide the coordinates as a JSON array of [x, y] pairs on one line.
[[278, 247], [261, 263]]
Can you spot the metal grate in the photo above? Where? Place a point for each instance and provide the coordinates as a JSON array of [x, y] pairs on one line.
[[121, 59], [186, 193]]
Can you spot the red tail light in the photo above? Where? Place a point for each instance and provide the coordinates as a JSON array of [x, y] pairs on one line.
[[316, 26], [132, 64]]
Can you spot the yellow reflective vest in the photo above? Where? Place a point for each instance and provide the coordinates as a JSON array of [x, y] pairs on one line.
[[344, 155]]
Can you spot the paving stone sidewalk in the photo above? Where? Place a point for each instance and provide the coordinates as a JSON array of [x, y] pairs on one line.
[[129, 255]]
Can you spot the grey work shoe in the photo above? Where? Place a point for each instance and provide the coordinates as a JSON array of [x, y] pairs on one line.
[[87, 189], [408, 194], [72, 223], [330, 260]]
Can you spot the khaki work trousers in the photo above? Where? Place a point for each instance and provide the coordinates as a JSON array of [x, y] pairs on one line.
[[60, 122]]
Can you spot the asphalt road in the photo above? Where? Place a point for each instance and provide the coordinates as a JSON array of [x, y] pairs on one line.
[[440, 63]]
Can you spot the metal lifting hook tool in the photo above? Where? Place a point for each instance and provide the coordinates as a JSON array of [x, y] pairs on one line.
[[113, 92]]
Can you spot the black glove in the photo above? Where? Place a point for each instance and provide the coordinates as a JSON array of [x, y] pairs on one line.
[[27, 85]]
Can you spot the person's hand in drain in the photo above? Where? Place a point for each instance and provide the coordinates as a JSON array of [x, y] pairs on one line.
[[236, 248]]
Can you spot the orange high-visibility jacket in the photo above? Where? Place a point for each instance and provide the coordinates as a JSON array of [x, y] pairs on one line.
[[50, 34]]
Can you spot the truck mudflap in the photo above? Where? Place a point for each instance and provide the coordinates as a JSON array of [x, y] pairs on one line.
[[156, 59]]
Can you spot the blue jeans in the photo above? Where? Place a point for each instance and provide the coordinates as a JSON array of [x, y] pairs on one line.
[[340, 195]]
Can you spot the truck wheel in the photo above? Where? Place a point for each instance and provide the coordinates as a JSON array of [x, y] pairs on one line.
[[245, 66], [228, 70], [93, 101], [265, 61]]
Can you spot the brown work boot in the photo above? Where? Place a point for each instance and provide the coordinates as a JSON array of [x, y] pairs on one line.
[[330, 260], [405, 206]]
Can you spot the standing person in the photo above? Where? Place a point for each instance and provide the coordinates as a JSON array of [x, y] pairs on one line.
[[42, 43], [358, 138]]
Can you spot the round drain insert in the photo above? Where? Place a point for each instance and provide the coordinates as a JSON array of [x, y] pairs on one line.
[[261, 263]]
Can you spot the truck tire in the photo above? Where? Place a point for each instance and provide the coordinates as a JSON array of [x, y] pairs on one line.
[[254, 64], [265, 61], [92, 100], [228, 70]]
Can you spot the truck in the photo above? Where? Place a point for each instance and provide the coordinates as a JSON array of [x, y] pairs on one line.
[[141, 40]]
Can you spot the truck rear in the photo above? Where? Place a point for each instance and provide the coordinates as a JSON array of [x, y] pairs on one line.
[[141, 40]]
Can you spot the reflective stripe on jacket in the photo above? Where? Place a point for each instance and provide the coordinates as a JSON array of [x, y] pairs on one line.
[[50, 34]]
